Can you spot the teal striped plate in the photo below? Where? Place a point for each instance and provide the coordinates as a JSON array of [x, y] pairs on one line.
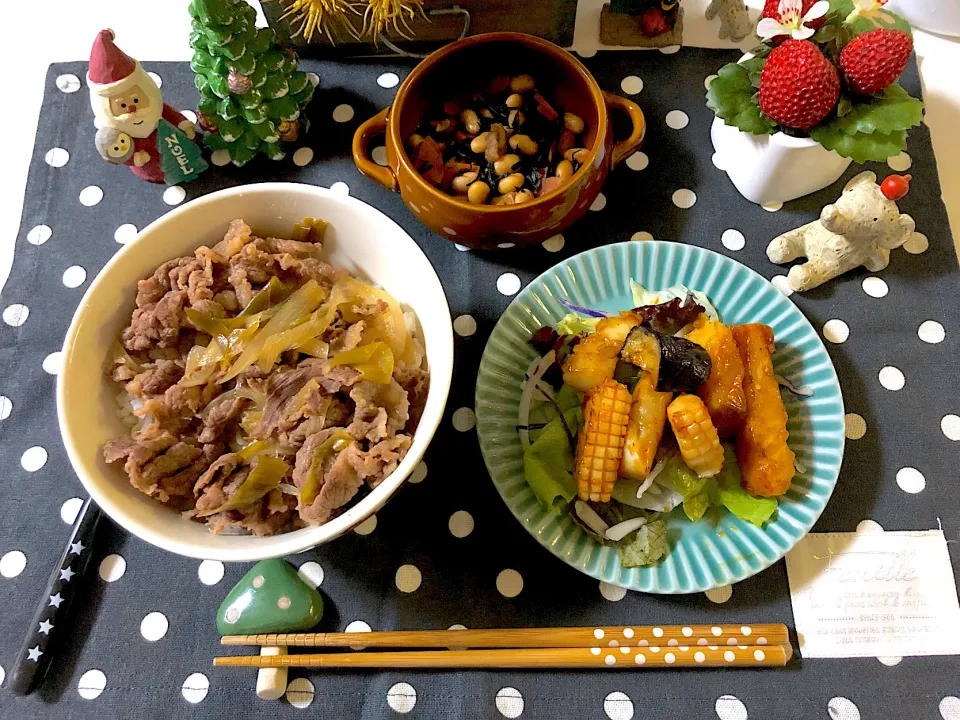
[[703, 555]]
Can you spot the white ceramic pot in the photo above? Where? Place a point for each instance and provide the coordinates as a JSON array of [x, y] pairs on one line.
[[774, 168], [360, 239], [936, 16]]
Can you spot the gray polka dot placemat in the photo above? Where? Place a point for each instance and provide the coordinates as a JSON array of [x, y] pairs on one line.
[[445, 551]]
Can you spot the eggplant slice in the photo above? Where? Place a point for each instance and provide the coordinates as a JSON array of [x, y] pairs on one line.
[[684, 365]]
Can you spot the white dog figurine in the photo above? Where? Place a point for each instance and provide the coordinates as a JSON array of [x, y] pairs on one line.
[[861, 228], [734, 18]]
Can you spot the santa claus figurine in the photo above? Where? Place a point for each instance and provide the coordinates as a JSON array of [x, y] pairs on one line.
[[126, 99]]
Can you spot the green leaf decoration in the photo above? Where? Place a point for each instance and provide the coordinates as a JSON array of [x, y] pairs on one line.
[[259, 76], [859, 146], [240, 155], [234, 50], [215, 142], [825, 34], [231, 130], [261, 43], [731, 97], [303, 97], [245, 64], [289, 63], [266, 131], [250, 99], [275, 87], [256, 114], [271, 60], [201, 62], [889, 110], [208, 107], [219, 85], [297, 82], [284, 108], [273, 151], [250, 139], [227, 108], [202, 84], [844, 106]]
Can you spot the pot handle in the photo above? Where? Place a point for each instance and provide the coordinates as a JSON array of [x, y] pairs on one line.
[[361, 140], [624, 148]]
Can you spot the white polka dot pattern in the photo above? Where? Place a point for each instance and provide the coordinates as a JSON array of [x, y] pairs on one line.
[[900, 163], [917, 244], [57, 157], [125, 233], [641, 236], [464, 419], [53, 363], [618, 706], [300, 693], [638, 161], [684, 198], [343, 113], [154, 626], [509, 583], [388, 80], [16, 315], [509, 702], [614, 593], [875, 287], [677, 119], [631, 85], [302, 156], [950, 708], [74, 276], [340, 188], [911, 480], [112, 568], [12, 563], [367, 526], [733, 240], [70, 509], [460, 524], [402, 697], [553, 243], [210, 572], [891, 378], [855, 427], [720, 594], [91, 684], [508, 284], [39, 235], [465, 325], [419, 473], [869, 526], [195, 688], [91, 195], [836, 331], [408, 578], [950, 425], [840, 708], [930, 331], [68, 83], [600, 203], [174, 195], [33, 458], [729, 707], [311, 573]]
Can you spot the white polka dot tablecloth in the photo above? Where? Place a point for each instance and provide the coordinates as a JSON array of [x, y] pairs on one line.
[[445, 552]]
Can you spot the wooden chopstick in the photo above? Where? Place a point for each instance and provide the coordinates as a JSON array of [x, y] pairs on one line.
[[619, 657], [604, 637]]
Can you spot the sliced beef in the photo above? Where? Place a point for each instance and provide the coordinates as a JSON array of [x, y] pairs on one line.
[[155, 380], [340, 479], [381, 410], [219, 415], [221, 468], [380, 460]]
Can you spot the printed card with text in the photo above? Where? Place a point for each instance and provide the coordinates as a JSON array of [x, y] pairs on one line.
[[870, 594]]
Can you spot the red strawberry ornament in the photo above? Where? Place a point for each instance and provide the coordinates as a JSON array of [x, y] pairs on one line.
[[896, 187], [799, 87], [784, 13], [874, 60]]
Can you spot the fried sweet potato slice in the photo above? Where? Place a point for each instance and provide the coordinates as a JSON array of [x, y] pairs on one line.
[[722, 393], [766, 463]]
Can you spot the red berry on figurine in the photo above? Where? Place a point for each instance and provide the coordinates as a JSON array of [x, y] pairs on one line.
[[874, 60], [895, 187], [799, 87]]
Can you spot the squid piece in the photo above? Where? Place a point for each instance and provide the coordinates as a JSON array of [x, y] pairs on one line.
[[648, 414], [697, 437], [766, 463], [600, 443], [722, 392], [594, 359]]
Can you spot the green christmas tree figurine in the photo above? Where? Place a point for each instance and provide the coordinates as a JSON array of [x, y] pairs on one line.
[[251, 93]]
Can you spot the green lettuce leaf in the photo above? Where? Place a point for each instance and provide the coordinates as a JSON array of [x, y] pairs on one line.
[[734, 498], [696, 505], [644, 546], [573, 324], [548, 462], [677, 475], [731, 96]]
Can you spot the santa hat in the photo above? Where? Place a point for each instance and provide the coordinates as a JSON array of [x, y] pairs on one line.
[[110, 68]]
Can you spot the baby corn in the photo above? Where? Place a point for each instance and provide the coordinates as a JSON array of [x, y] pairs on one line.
[[696, 435], [600, 444]]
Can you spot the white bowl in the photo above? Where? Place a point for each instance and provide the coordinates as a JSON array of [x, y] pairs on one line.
[[360, 239]]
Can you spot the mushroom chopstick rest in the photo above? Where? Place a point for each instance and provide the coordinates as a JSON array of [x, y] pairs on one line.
[[271, 598], [860, 228]]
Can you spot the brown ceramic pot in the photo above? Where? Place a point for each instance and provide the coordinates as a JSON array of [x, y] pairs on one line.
[[473, 63]]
